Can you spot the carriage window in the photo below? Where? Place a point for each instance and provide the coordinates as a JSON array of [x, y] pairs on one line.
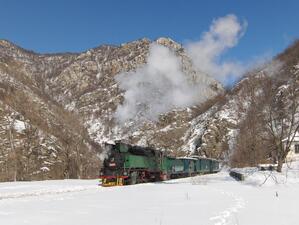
[[297, 148]]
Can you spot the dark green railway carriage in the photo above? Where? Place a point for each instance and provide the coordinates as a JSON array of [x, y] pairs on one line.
[[189, 165], [179, 167], [214, 166], [171, 165], [175, 167], [202, 165]]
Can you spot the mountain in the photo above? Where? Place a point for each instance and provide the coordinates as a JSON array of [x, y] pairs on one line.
[[235, 127], [58, 109]]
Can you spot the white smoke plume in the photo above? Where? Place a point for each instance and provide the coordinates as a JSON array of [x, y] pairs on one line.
[[272, 68], [157, 87], [224, 33], [106, 152], [160, 85]]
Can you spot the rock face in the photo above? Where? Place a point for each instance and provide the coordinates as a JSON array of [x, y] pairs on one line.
[[57, 109]]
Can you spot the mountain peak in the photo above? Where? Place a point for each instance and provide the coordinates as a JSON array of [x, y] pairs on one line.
[[168, 42]]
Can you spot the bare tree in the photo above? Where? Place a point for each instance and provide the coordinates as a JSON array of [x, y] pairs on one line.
[[30, 145], [282, 119], [10, 129], [250, 148]]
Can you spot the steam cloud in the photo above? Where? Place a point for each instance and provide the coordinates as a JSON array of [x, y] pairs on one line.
[[224, 33], [272, 69], [160, 85], [157, 87], [105, 153]]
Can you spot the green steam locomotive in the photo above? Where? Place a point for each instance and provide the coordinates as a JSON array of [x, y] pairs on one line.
[[126, 164]]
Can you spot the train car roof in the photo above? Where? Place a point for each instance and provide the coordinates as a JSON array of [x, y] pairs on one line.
[[202, 157], [190, 158]]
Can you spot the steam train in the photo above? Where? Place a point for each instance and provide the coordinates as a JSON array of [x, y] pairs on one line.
[[126, 164]]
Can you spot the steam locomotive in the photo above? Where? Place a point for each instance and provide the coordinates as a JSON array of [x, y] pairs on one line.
[[126, 164]]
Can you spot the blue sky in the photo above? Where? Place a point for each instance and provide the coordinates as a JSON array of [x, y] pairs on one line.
[[77, 25]]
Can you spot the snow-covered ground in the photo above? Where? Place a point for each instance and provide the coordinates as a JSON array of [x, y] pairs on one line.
[[212, 199]]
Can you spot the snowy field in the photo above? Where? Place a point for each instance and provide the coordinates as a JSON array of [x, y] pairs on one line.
[[203, 200]]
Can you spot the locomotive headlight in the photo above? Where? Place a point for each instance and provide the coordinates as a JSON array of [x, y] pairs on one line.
[[125, 173]]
